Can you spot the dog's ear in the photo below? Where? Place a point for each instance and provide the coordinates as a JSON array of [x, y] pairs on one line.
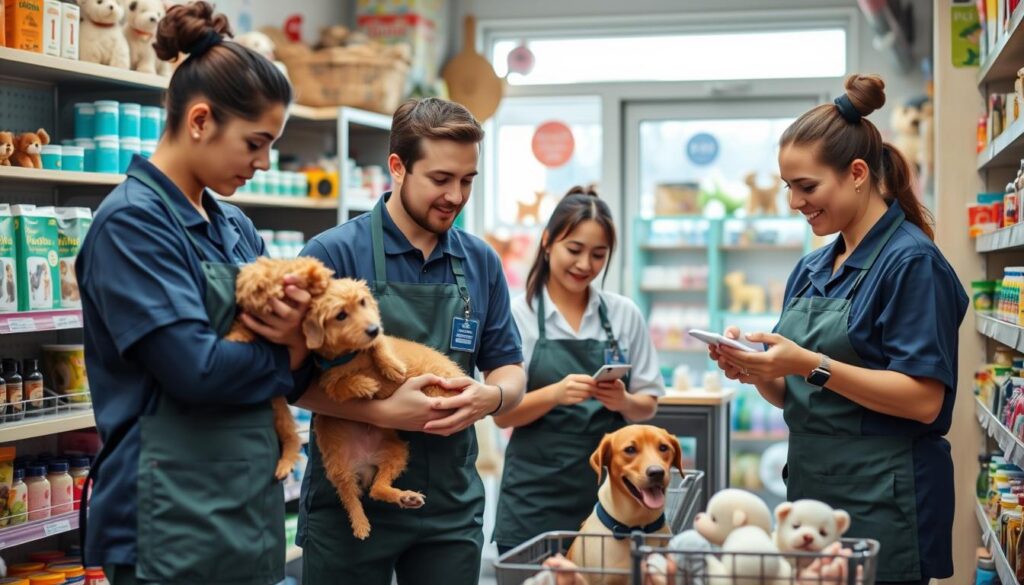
[[842, 522], [313, 329], [677, 457], [601, 457], [783, 510]]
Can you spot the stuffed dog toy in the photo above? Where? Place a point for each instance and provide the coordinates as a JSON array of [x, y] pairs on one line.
[[141, 21], [345, 321], [101, 37], [728, 510], [28, 148], [256, 285], [749, 558], [638, 459], [808, 526]]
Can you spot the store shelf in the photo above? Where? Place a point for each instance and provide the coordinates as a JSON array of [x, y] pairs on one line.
[[49, 177], [362, 204], [310, 114], [40, 321], [989, 539], [1012, 447], [44, 68], [750, 437], [292, 490], [672, 289], [1005, 59], [762, 248], [42, 426], [672, 248], [1010, 238], [1005, 333], [246, 200], [293, 554], [1005, 149], [697, 397], [38, 530]]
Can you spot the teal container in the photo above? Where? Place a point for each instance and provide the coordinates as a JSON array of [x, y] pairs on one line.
[[129, 148], [147, 148], [258, 183], [108, 114], [130, 120], [73, 159], [85, 120], [149, 128], [108, 155], [51, 155], [88, 145]]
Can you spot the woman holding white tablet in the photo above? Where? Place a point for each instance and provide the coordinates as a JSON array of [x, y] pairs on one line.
[[570, 330], [864, 358]]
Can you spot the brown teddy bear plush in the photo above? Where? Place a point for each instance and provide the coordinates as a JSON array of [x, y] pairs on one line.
[[28, 147], [6, 148]]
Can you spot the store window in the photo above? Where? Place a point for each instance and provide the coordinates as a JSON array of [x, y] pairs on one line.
[[776, 54], [537, 149]]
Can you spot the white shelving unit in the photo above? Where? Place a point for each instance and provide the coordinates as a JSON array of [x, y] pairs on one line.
[[42, 426], [1013, 448], [988, 537], [32, 531]]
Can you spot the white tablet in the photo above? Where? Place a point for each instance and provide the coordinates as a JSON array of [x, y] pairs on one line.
[[716, 339]]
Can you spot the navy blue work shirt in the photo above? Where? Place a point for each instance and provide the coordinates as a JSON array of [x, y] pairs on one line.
[[348, 250], [904, 317], [146, 331]]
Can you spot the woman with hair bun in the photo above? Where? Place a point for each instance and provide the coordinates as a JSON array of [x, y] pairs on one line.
[[184, 485], [863, 360]]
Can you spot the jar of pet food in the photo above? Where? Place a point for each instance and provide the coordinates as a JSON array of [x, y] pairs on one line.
[[107, 120], [129, 122], [88, 146], [61, 487], [108, 152], [73, 572], [38, 492], [272, 180], [149, 128], [25, 569], [73, 158], [51, 155], [258, 183], [85, 120], [46, 579], [64, 366], [129, 148], [79, 472], [95, 576]]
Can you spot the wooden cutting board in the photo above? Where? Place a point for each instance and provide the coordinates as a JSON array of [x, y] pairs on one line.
[[471, 79]]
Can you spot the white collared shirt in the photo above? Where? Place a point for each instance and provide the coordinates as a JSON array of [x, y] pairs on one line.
[[627, 323]]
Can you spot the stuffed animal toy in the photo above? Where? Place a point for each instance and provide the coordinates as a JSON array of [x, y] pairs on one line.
[[906, 125], [762, 201], [749, 297], [531, 210], [257, 41], [690, 567], [761, 566], [101, 38], [715, 196], [728, 510], [28, 147], [6, 148], [808, 526], [140, 26]]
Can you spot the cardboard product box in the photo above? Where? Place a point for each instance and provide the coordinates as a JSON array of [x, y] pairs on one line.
[[52, 27], [3, 26], [35, 230], [418, 23], [69, 16], [24, 24]]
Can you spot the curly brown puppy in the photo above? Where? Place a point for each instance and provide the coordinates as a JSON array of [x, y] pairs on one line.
[[345, 320], [256, 285]]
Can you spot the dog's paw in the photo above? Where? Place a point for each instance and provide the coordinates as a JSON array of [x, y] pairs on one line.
[[394, 372], [411, 500], [284, 469], [361, 529]]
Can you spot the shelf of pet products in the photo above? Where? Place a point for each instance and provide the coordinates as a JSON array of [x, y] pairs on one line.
[[51, 177], [40, 321], [32, 531], [246, 200], [50, 415], [1004, 149], [1001, 240], [311, 114], [1008, 334], [58, 70], [1012, 447], [991, 542], [1003, 60]]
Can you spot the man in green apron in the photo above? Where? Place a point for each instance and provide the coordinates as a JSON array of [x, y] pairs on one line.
[[444, 288]]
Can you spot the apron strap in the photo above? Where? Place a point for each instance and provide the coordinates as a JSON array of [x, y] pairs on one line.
[[540, 315], [460, 280], [377, 237], [166, 199], [606, 324]]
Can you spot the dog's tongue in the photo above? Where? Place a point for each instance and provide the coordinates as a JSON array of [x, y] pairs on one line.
[[654, 497]]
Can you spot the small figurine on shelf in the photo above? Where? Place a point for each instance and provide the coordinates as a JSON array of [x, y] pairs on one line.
[[28, 148], [102, 41], [140, 26], [6, 148], [776, 296], [762, 201], [744, 297], [531, 210]]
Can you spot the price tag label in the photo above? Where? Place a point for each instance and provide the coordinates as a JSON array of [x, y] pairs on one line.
[[56, 527], [21, 325], [66, 322]]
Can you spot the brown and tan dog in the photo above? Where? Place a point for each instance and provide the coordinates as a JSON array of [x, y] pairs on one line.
[[256, 285], [638, 459], [343, 321]]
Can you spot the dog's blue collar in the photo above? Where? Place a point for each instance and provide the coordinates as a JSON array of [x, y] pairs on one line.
[[325, 364], [620, 530]]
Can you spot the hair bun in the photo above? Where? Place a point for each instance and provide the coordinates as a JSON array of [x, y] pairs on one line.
[[866, 93], [185, 26]]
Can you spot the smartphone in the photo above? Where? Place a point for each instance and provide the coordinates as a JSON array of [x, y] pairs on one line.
[[611, 372], [716, 339]]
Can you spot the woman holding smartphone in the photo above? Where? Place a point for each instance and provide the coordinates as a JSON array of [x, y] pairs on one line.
[[570, 330]]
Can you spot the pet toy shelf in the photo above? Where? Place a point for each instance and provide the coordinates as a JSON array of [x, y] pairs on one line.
[[991, 542], [1004, 150], [1003, 62], [42, 426], [48, 177], [1005, 333], [1013, 447], [32, 531], [1010, 238], [44, 68], [40, 321]]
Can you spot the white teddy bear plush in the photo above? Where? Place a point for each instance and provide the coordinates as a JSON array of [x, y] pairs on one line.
[[730, 509], [102, 40], [140, 26], [808, 526], [749, 557]]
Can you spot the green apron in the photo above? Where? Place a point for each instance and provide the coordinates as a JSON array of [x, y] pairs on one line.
[[548, 483], [442, 541], [210, 510], [871, 477]]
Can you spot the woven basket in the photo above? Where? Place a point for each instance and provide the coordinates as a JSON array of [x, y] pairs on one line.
[[342, 77]]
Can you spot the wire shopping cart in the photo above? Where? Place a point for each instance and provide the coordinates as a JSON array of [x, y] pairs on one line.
[[682, 498]]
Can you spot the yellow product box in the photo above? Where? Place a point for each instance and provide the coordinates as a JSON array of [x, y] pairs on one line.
[[24, 20]]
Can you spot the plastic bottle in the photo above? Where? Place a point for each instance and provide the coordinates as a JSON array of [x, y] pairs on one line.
[[33, 387], [15, 397], [38, 492], [79, 472], [986, 572], [981, 489], [12, 379], [61, 487], [17, 499]]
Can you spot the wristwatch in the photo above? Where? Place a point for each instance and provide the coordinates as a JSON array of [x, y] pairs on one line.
[[820, 375]]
